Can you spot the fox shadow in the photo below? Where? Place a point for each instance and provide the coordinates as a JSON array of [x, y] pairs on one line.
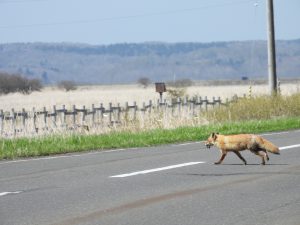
[[253, 164], [235, 174], [242, 173]]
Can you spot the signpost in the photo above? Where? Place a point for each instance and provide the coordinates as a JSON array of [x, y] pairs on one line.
[[160, 88]]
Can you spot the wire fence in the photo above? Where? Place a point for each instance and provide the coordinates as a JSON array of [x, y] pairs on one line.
[[59, 119]]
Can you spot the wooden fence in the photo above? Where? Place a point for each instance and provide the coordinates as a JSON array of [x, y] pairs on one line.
[[47, 120]]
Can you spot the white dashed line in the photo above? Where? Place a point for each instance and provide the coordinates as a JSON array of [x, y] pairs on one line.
[[155, 170], [9, 193], [288, 147], [275, 133]]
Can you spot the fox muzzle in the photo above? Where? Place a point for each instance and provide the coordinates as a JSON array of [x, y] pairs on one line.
[[208, 145]]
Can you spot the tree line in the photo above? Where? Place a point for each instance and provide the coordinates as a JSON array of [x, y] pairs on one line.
[[126, 63], [12, 83]]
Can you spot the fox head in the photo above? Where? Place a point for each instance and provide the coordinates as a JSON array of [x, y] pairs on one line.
[[211, 140]]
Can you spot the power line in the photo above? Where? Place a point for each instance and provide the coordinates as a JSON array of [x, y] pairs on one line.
[[169, 12]]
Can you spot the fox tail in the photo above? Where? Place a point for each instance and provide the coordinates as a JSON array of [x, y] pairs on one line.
[[269, 146]]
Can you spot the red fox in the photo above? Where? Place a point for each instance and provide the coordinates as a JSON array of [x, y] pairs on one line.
[[240, 142]]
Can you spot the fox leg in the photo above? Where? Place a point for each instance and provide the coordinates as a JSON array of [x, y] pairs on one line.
[[263, 154], [221, 159], [267, 156], [241, 157]]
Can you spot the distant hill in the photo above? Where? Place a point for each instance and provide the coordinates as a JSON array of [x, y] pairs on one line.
[[126, 63]]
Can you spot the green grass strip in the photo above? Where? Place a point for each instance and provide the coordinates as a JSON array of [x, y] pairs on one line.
[[59, 144]]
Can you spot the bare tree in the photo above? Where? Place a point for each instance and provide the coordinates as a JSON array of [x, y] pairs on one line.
[[144, 81], [10, 83], [67, 85]]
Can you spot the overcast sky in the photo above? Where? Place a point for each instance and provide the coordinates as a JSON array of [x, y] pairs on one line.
[[119, 21]]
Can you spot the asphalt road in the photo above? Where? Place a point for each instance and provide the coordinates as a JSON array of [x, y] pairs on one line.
[[168, 185]]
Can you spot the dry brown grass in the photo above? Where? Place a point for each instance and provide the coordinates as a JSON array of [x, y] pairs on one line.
[[258, 108], [88, 95]]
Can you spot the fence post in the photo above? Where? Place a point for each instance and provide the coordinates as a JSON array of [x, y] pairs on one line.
[[54, 116], [150, 106], [34, 120], [185, 105], [200, 103], [64, 115], [1, 121], [45, 117], [135, 109], [13, 121], [119, 113], [74, 115], [101, 113], [126, 116], [143, 115], [110, 113], [179, 105], [24, 119], [83, 115], [192, 105], [93, 114], [206, 101]]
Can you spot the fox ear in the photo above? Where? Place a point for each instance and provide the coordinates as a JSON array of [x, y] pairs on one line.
[[214, 135]]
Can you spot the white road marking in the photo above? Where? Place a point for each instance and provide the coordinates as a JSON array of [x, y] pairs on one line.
[[183, 144], [288, 147], [9, 193], [155, 170], [275, 133]]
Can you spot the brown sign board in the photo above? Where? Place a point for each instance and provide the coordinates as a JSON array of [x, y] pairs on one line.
[[160, 87]]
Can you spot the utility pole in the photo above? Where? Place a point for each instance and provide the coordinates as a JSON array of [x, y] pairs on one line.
[[271, 49]]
